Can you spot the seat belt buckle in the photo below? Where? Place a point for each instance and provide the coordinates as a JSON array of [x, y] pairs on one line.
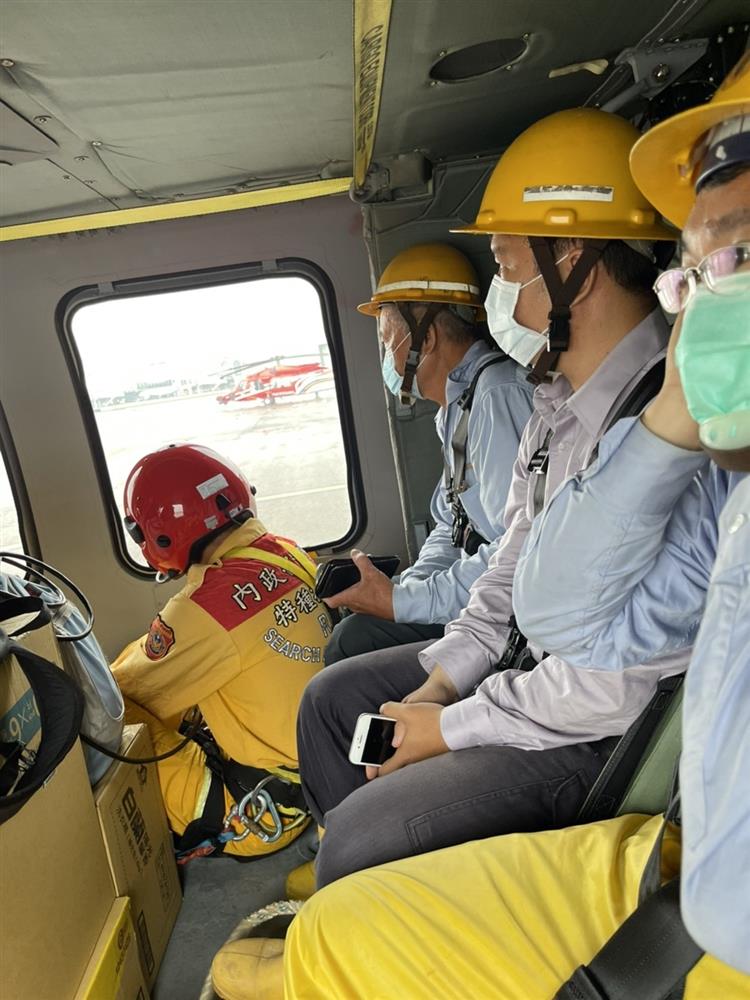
[[515, 644], [539, 461], [464, 400], [460, 524]]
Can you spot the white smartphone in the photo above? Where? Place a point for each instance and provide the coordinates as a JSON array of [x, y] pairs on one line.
[[371, 743]]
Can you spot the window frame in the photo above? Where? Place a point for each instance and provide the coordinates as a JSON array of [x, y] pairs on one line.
[[188, 280], [24, 514]]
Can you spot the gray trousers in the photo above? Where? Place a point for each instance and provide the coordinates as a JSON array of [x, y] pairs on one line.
[[357, 634], [459, 796]]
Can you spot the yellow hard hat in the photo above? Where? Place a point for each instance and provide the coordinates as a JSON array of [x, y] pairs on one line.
[[428, 272], [665, 161], [568, 175]]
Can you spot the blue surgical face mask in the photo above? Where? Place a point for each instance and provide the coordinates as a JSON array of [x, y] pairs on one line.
[[393, 381], [713, 359]]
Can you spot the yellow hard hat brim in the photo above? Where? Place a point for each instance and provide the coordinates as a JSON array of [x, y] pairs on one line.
[[371, 308], [591, 231], [660, 160]]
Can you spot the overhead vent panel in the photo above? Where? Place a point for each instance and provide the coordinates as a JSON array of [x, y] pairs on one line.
[[465, 113]]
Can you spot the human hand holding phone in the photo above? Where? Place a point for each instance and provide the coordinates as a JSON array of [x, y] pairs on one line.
[[372, 743], [371, 595], [416, 736]]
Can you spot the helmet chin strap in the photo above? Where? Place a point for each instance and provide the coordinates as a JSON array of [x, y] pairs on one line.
[[418, 330], [561, 293]]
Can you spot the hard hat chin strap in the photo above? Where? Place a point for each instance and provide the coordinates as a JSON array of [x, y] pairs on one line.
[[562, 294], [418, 330]]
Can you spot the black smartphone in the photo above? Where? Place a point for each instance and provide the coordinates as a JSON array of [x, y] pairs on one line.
[[339, 574]]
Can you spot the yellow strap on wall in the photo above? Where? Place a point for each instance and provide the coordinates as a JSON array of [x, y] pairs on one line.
[[371, 22], [176, 210]]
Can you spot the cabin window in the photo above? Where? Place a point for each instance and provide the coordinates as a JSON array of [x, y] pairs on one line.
[[11, 537], [17, 531], [247, 367]]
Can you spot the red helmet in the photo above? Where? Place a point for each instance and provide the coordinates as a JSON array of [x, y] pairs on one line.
[[178, 496]]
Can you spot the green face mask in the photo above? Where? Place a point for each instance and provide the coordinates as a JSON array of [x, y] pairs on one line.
[[713, 359]]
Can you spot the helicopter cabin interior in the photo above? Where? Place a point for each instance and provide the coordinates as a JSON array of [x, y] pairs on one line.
[[195, 197]]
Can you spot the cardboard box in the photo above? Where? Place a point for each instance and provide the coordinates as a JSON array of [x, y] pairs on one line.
[[55, 885], [139, 847], [114, 970]]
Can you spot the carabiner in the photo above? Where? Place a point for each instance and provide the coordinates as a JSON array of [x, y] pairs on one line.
[[260, 803]]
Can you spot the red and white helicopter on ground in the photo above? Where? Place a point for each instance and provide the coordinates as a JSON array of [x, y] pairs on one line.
[[275, 379]]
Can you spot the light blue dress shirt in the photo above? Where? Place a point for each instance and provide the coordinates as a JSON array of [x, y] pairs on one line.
[[715, 764], [647, 553], [436, 587], [615, 570]]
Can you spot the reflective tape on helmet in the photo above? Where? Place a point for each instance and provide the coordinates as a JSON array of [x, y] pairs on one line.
[[436, 286]]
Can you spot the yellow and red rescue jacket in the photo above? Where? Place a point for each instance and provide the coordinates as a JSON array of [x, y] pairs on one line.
[[240, 640]]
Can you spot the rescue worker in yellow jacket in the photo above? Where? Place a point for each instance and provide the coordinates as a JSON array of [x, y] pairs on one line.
[[239, 642]]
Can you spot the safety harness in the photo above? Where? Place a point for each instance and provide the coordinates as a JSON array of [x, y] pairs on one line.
[[267, 803], [516, 653], [649, 956], [463, 535]]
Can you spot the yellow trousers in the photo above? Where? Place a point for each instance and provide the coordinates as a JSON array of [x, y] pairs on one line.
[[184, 780], [508, 918]]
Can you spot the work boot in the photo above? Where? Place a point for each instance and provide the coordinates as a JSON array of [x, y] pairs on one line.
[[300, 882], [249, 969]]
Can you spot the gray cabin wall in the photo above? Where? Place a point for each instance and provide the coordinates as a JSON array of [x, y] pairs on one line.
[[43, 412]]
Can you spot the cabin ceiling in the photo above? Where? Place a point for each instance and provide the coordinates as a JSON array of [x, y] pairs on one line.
[[110, 104]]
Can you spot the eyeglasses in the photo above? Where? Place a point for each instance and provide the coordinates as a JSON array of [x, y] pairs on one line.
[[675, 288]]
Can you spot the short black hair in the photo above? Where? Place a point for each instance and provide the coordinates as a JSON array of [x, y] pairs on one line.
[[725, 175], [629, 269], [456, 328]]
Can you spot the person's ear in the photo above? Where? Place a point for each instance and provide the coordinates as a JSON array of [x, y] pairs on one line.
[[431, 339], [589, 282]]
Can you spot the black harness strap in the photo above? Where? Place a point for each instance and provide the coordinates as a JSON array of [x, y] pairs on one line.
[[561, 293], [516, 654], [609, 788], [634, 403], [464, 535], [418, 332], [539, 466], [238, 779], [60, 705], [12, 606], [649, 956], [641, 394], [207, 826], [242, 778], [651, 877]]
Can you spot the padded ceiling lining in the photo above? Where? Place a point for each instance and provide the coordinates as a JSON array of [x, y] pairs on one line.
[[165, 100], [484, 114], [180, 99]]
